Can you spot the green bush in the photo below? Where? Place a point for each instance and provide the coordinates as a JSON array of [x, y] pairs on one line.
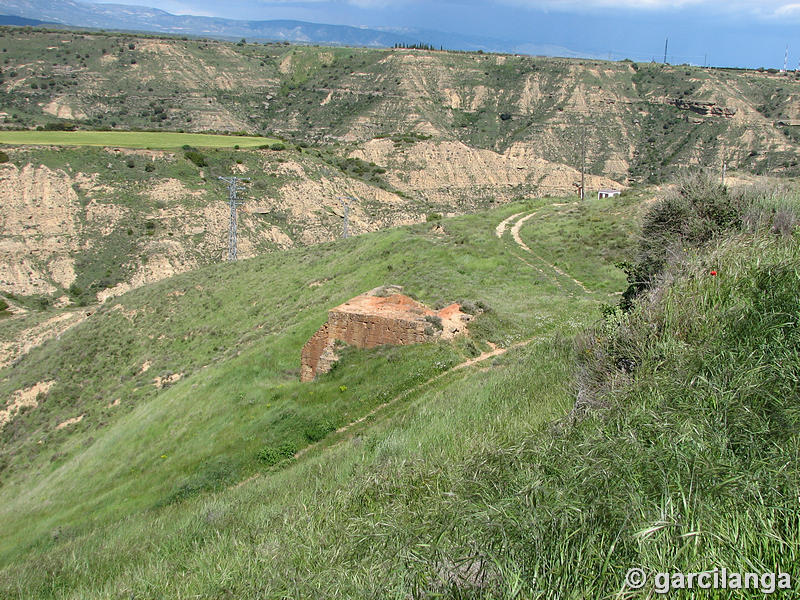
[[315, 430], [77, 295], [3, 157], [433, 217], [699, 210], [196, 157], [272, 455], [213, 475], [59, 126], [435, 321], [278, 146], [3, 305]]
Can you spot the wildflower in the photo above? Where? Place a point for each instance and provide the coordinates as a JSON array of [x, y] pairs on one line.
[[713, 273]]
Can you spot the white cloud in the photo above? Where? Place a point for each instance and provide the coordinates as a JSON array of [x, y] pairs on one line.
[[788, 10], [756, 7]]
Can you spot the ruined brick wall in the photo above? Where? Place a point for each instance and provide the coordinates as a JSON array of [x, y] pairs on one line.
[[380, 316], [369, 331], [359, 330], [311, 353]]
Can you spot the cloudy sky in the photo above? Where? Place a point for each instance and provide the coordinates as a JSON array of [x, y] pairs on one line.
[[749, 33]]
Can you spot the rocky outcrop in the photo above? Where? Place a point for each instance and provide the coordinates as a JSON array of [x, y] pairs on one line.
[[709, 109], [378, 317]]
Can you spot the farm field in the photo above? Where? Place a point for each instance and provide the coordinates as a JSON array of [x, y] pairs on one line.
[[155, 140]]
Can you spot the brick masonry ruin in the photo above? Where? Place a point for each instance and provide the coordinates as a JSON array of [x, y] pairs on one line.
[[380, 316]]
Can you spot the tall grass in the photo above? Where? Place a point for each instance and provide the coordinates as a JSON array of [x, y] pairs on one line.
[[481, 485]]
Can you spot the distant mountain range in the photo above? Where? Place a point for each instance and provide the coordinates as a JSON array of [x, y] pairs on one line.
[[20, 21], [139, 18]]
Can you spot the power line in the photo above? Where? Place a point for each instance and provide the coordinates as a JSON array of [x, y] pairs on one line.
[[233, 183]]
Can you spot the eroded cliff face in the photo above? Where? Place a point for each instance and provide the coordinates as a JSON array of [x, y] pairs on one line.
[[379, 317]]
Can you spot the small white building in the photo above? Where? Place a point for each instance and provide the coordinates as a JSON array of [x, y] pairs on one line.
[[609, 193]]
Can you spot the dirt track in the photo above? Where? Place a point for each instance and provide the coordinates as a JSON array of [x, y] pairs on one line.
[[515, 229]]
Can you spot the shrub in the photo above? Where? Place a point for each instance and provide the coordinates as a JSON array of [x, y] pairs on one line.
[[468, 307], [317, 430], [149, 167], [3, 157], [278, 146], [435, 321], [696, 212], [784, 222], [3, 305], [77, 295], [196, 157], [131, 163], [59, 126], [433, 217], [272, 455], [41, 302], [215, 474]]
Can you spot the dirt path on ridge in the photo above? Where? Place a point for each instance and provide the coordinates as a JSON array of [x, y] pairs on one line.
[[495, 351], [515, 228], [501, 228]]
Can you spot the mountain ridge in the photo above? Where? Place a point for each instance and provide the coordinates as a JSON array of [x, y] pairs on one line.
[[138, 18]]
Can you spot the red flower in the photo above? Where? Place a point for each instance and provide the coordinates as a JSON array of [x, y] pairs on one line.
[[713, 273]]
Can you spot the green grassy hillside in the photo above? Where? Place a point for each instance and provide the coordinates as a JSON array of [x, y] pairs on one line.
[[416, 478], [219, 349], [626, 396]]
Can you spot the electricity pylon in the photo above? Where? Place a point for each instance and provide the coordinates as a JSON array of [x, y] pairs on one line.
[[233, 183], [346, 206]]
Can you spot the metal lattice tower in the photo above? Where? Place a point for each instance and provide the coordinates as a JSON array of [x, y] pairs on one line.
[[233, 183], [346, 206]]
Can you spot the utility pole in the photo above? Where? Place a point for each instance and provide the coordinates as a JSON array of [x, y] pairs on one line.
[[583, 166], [786, 59], [666, 45], [583, 161], [346, 207], [233, 183]]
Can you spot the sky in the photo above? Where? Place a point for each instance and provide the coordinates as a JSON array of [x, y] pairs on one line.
[[740, 33]]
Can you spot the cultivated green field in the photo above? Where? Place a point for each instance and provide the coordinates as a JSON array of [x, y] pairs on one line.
[[131, 139]]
